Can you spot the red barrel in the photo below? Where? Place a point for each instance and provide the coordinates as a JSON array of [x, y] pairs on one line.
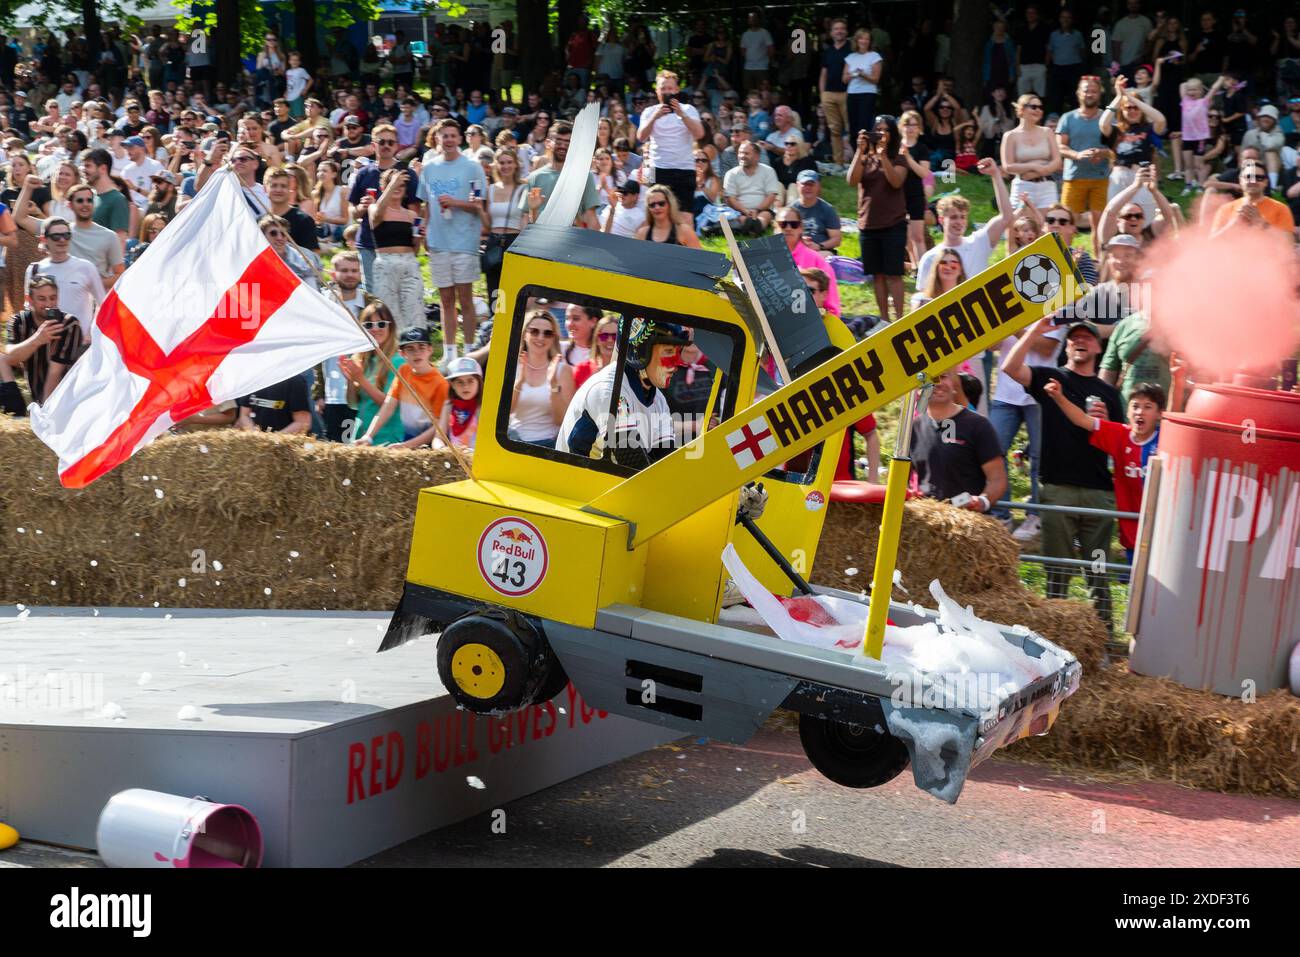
[[1221, 599]]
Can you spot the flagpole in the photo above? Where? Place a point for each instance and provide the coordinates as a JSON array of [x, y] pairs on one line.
[[459, 456]]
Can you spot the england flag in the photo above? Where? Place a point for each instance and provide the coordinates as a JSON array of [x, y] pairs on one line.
[[751, 442], [209, 313]]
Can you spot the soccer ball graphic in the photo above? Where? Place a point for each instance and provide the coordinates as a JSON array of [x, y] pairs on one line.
[[1037, 278]]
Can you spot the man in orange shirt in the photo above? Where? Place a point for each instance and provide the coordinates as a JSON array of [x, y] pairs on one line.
[[1254, 208], [417, 377]]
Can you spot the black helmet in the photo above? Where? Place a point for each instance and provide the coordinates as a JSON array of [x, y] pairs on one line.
[[646, 334]]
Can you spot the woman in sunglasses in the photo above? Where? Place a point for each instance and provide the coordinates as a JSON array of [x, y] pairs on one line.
[[790, 225], [1129, 127], [663, 220], [543, 383], [708, 185], [794, 159], [948, 274], [369, 376], [398, 281], [1218, 146], [942, 114], [603, 341], [153, 145], [1030, 151]]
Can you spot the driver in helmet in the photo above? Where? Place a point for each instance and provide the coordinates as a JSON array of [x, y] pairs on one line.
[[641, 429]]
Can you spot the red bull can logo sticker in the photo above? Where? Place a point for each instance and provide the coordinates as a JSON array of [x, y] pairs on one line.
[[512, 556]]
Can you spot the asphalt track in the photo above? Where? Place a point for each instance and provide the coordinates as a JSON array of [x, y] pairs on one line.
[[694, 804]]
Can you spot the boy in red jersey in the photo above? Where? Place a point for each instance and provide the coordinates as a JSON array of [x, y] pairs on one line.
[[1129, 445]]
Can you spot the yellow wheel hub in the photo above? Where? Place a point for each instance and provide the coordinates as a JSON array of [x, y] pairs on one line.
[[478, 670]]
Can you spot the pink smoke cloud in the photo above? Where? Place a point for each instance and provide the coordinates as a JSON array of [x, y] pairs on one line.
[[1227, 303]]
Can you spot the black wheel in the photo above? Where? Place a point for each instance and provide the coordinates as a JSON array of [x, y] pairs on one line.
[[490, 661], [854, 755]]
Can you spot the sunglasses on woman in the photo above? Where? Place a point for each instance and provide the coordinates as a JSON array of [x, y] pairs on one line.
[[544, 333], [659, 205], [607, 336], [1058, 221], [790, 223], [1133, 216], [375, 324]]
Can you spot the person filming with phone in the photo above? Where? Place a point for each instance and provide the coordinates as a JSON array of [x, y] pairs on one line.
[[879, 172], [44, 342], [670, 132]]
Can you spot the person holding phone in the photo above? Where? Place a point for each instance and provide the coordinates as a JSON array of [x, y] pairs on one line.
[[44, 343], [879, 173], [670, 132]]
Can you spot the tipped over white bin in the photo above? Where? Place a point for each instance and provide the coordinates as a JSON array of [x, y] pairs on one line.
[[140, 828]]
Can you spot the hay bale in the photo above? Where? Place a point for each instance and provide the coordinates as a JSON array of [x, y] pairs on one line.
[[1126, 722], [234, 509], [967, 552]]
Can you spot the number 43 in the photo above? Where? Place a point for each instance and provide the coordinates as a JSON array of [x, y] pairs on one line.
[[502, 567]]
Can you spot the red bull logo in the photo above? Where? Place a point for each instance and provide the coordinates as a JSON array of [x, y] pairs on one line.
[[512, 556]]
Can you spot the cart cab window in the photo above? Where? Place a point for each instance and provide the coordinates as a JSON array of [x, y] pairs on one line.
[[653, 382]]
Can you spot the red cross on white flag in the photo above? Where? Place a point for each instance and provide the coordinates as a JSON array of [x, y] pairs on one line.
[[209, 313], [752, 442]]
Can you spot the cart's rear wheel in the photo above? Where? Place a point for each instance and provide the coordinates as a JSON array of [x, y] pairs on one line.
[[854, 755]]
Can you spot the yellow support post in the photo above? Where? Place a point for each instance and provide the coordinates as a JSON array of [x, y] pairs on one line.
[[891, 525]]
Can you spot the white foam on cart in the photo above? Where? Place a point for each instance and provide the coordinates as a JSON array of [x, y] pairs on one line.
[[967, 659]]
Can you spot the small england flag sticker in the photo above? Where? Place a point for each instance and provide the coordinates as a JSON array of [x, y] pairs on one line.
[[752, 442]]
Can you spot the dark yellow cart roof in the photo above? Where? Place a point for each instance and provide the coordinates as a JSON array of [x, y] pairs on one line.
[[657, 262]]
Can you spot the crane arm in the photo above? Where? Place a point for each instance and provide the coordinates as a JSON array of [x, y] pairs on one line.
[[977, 315]]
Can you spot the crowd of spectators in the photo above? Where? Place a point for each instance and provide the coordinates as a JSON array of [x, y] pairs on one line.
[[389, 161]]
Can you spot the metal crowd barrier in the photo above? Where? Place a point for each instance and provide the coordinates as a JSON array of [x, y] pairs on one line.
[[1117, 574]]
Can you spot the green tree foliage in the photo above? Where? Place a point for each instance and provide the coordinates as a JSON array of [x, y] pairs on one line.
[[57, 14]]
